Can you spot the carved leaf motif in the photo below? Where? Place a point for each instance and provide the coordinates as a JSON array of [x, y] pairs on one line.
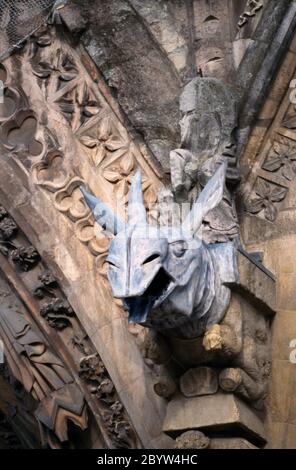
[[42, 70], [127, 164], [88, 141], [98, 154], [60, 65], [67, 107], [42, 37], [7, 229], [77, 105], [112, 176], [25, 257], [290, 120], [270, 212], [290, 123], [122, 189], [114, 143], [277, 194], [68, 69], [89, 107], [150, 195], [255, 206], [47, 284], [57, 313], [268, 194], [282, 155], [273, 163], [288, 171]]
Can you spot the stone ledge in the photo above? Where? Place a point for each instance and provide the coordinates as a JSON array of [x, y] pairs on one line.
[[256, 283], [213, 413]]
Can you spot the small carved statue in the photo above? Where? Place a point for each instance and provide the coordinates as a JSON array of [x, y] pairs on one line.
[[209, 117]]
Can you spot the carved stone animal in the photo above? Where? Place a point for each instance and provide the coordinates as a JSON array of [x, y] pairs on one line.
[[167, 277]]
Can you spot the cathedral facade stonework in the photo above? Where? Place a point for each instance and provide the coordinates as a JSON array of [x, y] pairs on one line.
[[147, 226]]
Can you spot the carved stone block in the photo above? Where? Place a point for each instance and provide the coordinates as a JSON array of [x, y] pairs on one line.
[[239, 345], [199, 381], [212, 413], [256, 282], [231, 443]]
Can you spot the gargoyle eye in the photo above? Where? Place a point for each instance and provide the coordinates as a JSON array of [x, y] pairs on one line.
[[151, 258]]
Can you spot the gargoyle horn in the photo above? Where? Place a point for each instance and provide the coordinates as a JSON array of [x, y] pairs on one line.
[[136, 208], [103, 214], [208, 199]]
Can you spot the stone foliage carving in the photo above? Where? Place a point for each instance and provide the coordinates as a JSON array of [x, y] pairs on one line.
[[25, 257], [91, 145], [277, 170], [35, 364], [267, 196], [93, 371], [57, 313]]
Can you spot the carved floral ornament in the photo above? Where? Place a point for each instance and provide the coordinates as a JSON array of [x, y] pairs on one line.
[[36, 364], [267, 195], [102, 145], [277, 169]]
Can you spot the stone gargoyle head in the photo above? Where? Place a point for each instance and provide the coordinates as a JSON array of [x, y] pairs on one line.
[[167, 277]]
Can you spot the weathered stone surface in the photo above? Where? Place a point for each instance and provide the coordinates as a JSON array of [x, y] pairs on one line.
[[50, 226], [203, 39], [132, 65], [215, 29], [239, 346], [168, 23], [231, 443], [70, 15], [199, 381], [165, 386], [192, 440], [212, 413], [256, 282]]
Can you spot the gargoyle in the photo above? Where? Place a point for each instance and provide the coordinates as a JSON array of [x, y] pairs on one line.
[[167, 277]]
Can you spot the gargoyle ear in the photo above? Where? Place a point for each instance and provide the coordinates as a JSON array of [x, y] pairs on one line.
[[136, 208], [103, 214], [208, 199]]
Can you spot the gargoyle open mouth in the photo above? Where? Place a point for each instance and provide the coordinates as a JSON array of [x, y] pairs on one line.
[[139, 307]]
